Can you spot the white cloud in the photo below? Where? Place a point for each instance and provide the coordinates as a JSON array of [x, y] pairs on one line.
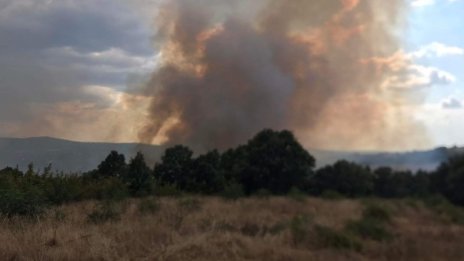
[[404, 74], [452, 104], [436, 49], [443, 126], [111, 60], [421, 3], [418, 76]]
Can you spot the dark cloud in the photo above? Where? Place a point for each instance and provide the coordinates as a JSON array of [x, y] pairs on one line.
[[51, 49]]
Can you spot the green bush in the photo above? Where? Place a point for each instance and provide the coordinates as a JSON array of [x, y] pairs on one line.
[[369, 229], [297, 194], [377, 213], [263, 194], [167, 190], [299, 229], [233, 191], [103, 212], [59, 215], [445, 209], [329, 238], [331, 194], [277, 228], [189, 204], [27, 204], [149, 206], [62, 189]]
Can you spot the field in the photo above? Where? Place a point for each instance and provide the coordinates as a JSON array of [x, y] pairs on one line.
[[261, 228]]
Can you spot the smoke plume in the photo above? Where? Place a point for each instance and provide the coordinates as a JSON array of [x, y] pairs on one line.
[[229, 69]]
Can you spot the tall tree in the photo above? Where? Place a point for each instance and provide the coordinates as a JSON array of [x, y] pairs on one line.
[[114, 165], [139, 176], [174, 167], [344, 177], [272, 160]]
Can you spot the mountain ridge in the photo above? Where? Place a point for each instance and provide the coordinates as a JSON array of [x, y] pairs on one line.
[[77, 156]]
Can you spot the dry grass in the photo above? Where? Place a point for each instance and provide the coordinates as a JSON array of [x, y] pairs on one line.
[[214, 229]]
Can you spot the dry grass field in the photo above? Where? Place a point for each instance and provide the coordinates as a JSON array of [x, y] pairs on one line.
[[275, 228]]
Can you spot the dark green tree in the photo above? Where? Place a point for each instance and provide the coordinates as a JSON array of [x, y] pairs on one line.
[[449, 179], [272, 160], [113, 166], [175, 166], [206, 175], [344, 177], [139, 176]]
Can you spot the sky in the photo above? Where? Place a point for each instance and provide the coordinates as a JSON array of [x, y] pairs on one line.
[[72, 68]]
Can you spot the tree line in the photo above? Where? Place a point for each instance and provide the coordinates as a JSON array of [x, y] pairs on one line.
[[272, 162]]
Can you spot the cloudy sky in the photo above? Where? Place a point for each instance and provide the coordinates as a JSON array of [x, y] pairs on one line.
[[70, 68]]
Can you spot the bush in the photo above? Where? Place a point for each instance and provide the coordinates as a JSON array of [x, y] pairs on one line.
[[59, 215], [299, 229], [189, 204], [372, 224], [106, 189], [62, 189], [369, 229], [263, 194], [24, 204], [104, 211], [329, 238], [233, 191], [149, 206], [297, 194], [377, 213], [167, 190], [445, 209], [331, 194]]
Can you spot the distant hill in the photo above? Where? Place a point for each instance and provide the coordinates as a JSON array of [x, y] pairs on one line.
[[71, 156], [64, 155]]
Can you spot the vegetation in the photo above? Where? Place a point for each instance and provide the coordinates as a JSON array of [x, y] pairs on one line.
[[175, 203], [277, 228], [271, 163]]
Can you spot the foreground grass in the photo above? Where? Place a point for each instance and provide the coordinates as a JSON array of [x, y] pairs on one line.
[[247, 229]]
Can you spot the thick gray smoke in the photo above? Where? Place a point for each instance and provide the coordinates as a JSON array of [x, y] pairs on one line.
[[231, 68]]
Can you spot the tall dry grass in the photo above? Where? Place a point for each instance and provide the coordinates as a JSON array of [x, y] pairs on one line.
[[214, 229]]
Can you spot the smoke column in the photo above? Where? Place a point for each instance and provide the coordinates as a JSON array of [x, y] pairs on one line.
[[229, 69]]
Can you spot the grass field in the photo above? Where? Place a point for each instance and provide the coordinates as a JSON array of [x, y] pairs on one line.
[[275, 228]]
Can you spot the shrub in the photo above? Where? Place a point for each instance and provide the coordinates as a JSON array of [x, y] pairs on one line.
[[263, 194], [59, 215], [106, 189], [329, 238], [104, 211], [445, 209], [149, 206], [369, 229], [189, 204], [297, 194], [377, 213], [331, 194], [277, 228], [233, 191], [299, 229], [62, 189], [27, 204], [167, 190]]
